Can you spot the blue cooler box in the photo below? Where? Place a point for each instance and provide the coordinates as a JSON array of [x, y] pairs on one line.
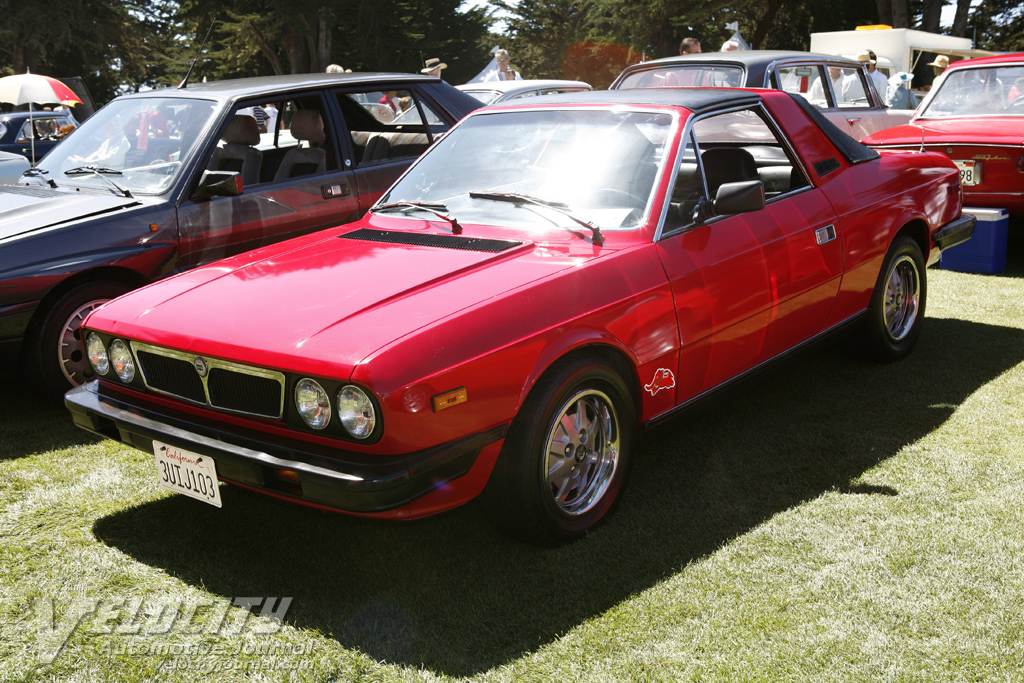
[[985, 252]]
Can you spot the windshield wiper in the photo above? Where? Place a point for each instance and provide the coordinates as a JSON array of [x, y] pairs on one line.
[[560, 207], [39, 173], [436, 208], [102, 172]]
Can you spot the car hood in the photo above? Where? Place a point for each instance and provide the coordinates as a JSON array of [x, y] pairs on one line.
[[321, 304], [26, 209], [940, 131]]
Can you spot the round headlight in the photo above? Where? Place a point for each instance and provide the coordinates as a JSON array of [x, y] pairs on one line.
[[97, 354], [312, 403], [121, 359], [355, 410]]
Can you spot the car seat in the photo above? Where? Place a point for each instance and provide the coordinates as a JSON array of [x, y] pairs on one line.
[[235, 151], [307, 126]]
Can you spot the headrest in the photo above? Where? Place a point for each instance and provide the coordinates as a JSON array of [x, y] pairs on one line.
[[307, 125], [241, 130]]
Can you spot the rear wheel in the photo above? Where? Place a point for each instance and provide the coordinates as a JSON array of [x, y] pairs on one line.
[[897, 303], [565, 460], [57, 359]]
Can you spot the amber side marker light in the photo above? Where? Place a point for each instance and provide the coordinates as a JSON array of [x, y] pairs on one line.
[[450, 399], [288, 475], [153, 227]]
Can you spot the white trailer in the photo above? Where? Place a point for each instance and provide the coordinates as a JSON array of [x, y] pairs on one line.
[[902, 48]]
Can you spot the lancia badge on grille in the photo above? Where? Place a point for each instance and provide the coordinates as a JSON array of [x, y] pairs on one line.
[[200, 365]]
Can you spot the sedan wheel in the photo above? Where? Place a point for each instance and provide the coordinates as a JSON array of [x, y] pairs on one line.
[[583, 452], [897, 304], [56, 351], [565, 459]]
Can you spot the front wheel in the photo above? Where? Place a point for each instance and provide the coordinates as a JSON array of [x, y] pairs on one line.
[[565, 460], [56, 354], [897, 303]]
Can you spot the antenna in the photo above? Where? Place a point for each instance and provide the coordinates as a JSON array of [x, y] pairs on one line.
[[922, 139], [188, 74]]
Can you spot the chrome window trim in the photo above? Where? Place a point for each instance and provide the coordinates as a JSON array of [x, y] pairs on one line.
[[769, 121]]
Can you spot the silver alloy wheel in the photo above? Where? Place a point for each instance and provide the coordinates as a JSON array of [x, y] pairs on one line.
[[71, 356], [582, 451], [902, 297]]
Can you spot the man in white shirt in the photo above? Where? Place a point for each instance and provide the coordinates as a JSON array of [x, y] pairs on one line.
[[876, 77], [503, 72]]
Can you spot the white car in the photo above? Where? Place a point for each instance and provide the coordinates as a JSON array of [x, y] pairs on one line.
[[11, 167], [492, 92]]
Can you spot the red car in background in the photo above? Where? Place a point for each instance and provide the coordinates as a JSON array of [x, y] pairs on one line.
[[548, 280], [974, 116]]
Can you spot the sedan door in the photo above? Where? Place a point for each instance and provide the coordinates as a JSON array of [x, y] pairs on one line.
[[294, 180], [747, 286]]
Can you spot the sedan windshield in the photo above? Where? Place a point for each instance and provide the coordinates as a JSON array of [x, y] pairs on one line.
[[141, 142], [599, 166], [997, 91]]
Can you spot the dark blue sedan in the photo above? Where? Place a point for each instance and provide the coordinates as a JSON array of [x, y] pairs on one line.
[[48, 127]]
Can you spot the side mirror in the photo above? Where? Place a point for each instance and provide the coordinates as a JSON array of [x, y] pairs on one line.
[[219, 184], [741, 197]]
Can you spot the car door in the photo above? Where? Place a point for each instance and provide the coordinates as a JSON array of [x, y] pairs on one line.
[[295, 180], [746, 286]]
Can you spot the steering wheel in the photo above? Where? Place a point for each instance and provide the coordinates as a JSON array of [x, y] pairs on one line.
[[1019, 102]]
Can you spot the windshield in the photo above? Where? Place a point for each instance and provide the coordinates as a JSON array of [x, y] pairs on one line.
[[704, 75], [995, 91], [144, 139], [600, 165]]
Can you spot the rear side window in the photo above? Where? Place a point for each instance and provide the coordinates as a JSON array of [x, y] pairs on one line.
[[389, 125]]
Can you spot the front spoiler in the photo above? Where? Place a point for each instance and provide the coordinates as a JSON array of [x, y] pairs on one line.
[[343, 480], [954, 232]]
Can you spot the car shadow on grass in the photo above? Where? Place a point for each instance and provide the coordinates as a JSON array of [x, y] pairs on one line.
[[31, 424], [453, 596]]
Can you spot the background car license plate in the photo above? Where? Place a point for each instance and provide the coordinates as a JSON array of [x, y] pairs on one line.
[[186, 472], [970, 171]]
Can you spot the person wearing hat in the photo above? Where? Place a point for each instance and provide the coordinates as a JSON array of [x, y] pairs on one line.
[[433, 67], [877, 78], [898, 94], [939, 67], [940, 64]]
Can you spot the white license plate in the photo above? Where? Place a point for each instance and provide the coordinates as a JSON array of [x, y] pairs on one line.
[[970, 171], [187, 473]]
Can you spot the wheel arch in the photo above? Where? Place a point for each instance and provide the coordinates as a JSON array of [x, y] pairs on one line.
[[917, 230], [129, 278], [606, 349]]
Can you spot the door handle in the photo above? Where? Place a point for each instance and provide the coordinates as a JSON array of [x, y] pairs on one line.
[[335, 190], [853, 121], [825, 234]]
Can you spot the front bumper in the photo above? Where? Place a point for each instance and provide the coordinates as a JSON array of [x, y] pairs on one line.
[[955, 232], [328, 477]]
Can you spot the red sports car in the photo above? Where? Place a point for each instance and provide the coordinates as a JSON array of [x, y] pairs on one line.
[[975, 116], [547, 281]]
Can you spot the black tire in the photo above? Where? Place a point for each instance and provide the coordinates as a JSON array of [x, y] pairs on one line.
[[897, 303], [56, 359], [548, 497]]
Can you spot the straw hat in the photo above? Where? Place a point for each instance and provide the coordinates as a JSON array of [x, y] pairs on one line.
[[941, 61], [865, 56], [433, 64]]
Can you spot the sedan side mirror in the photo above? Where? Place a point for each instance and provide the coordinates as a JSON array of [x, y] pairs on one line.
[[219, 184]]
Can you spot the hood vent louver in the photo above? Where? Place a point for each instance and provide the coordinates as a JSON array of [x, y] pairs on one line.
[[27, 191], [431, 240]]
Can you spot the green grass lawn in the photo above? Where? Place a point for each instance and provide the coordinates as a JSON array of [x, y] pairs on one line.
[[838, 520]]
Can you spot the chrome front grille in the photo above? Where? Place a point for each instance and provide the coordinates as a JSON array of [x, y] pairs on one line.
[[219, 384]]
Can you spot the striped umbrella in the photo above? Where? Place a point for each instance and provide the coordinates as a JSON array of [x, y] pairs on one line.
[[29, 88]]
